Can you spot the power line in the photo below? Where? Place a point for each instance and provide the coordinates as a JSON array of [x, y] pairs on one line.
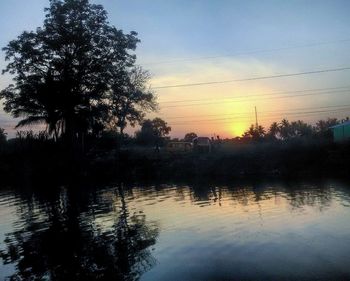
[[259, 95], [308, 45], [254, 78], [261, 113], [268, 98], [268, 116], [306, 113]]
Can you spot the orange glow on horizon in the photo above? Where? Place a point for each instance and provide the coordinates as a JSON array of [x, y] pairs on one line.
[[228, 110]]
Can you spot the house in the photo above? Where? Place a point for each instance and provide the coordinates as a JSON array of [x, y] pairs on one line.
[[341, 132]]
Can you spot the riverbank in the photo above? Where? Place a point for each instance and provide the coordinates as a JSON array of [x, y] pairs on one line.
[[276, 160], [298, 159]]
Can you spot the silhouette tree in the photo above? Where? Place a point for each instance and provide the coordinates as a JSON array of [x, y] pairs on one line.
[[301, 129], [322, 127], [152, 131], [130, 99], [285, 129], [273, 132], [160, 127], [66, 72], [190, 136], [289, 130], [3, 136], [254, 133]]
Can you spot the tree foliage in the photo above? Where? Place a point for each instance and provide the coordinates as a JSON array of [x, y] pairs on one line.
[[3, 136], [76, 73], [288, 130], [152, 131], [190, 136], [254, 132], [322, 127], [130, 99]]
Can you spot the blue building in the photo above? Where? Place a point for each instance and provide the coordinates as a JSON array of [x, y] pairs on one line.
[[341, 132]]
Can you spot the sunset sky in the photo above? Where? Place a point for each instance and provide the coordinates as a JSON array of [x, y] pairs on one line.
[[186, 42]]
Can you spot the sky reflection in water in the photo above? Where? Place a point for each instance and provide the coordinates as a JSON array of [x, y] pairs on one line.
[[178, 232]]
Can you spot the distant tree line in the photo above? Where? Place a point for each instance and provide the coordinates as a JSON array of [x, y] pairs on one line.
[[156, 132], [286, 130]]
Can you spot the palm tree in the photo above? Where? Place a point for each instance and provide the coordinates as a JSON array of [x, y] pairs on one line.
[[274, 130]]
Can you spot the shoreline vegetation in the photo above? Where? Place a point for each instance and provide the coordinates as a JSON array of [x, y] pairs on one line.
[[33, 156]]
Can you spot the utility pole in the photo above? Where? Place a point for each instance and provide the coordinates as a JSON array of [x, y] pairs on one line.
[[256, 118]]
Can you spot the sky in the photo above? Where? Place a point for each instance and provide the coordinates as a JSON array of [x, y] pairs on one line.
[[188, 42]]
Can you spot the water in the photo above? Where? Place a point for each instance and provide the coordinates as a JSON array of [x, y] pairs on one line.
[[177, 232]]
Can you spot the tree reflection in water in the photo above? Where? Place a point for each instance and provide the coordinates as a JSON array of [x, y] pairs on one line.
[[240, 231], [65, 244]]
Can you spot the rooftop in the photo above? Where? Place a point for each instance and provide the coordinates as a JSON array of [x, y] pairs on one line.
[[341, 125]]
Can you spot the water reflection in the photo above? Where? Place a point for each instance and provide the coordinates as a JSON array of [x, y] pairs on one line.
[[60, 239], [178, 232]]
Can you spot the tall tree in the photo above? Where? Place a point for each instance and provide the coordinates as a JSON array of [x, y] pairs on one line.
[[130, 99], [273, 132], [285, 129], [254, 133], [65, 71]]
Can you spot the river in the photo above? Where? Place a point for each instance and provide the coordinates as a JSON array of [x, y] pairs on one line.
[[197, 231]]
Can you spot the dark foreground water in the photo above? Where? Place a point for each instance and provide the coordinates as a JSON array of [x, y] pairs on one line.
[[176, 232]]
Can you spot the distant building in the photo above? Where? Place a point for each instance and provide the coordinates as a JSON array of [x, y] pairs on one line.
[[202, 144], [341, 132], [179, 146]]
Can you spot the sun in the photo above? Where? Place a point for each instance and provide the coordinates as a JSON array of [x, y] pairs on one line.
[[238, 128]]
